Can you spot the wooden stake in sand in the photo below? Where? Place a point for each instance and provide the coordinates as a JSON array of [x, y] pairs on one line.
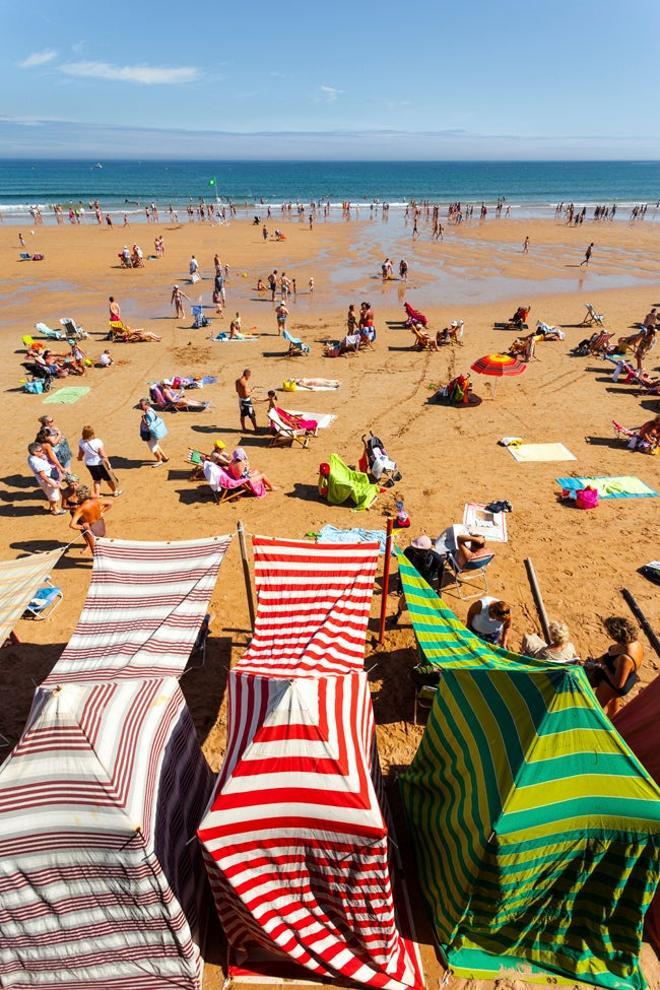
[[246, 573], [641, 618], [538, 598], [386, 580]]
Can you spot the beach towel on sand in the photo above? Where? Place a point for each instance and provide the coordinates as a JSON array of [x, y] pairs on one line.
[[332, 534], [525, 453], [619, 487], [67, 395], [343, 483]]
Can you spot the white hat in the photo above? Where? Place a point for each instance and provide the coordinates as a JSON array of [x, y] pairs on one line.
[[422, 543]]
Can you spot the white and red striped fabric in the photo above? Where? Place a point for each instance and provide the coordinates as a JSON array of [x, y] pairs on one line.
[[313, 606], [19, 580], [143, 611], [99, 885], [294, 838]]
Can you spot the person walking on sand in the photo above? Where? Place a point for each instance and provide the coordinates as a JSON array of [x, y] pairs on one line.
[[587, 255], [272, 284], [87, 513], [92, 452], [176, 300], [526, 246], [244, 392], [403, 270], [281, 313], [42, 470], [152, 431]]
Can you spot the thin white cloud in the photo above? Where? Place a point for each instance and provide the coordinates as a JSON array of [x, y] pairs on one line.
[[38, 58], [330, 93], [146, 75]]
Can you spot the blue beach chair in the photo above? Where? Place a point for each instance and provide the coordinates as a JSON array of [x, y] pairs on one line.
[[296, 346]]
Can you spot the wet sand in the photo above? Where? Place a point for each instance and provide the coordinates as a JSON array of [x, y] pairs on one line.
[[447, 456]]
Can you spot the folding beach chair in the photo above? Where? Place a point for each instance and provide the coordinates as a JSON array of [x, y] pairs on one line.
[[473, 576], [46, 331], [283, 435], [72, 330], [296, 346], [592, 317], [45, 601]]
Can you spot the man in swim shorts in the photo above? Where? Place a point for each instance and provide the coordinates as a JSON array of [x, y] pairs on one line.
[[244, 392]]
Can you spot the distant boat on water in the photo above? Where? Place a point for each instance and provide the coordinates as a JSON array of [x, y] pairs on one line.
[[98, 165]]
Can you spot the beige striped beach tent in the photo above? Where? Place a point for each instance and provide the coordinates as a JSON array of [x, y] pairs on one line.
[[19, 580], [99, 885], [143, 610]]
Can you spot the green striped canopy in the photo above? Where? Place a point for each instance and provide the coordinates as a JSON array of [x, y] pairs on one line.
[[536, 830]]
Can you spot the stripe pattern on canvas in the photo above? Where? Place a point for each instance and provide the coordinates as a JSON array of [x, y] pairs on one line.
[[313, 606], [536, 831], [19, 580], [99, 885], [295, 840], [143, 611]]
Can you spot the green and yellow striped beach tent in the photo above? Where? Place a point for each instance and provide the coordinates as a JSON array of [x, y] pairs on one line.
[[536, 829]]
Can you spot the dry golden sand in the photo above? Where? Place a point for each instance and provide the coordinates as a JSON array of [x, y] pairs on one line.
[[446, 456]]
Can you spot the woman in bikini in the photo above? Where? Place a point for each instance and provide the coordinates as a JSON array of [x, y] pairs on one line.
[[619, 665]]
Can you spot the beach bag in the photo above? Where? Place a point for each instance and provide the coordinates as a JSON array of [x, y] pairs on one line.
[[34, 387], [586, 498], [145, 432], [157, 429]]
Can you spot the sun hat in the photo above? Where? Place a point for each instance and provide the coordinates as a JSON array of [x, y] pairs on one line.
[[422, 543], [219, 444], [239, 455], [167, 381]]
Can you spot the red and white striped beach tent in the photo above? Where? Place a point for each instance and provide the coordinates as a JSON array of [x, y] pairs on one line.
[[295, 837], [143, 610], [99, 885]]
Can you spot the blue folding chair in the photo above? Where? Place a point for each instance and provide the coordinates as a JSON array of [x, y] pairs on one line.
[[473, 576], [296, 346], [45, 601]]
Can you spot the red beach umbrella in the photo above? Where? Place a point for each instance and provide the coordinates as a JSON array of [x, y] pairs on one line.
[[499, 366]]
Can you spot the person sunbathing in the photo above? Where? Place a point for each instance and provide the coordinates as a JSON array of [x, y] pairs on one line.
[[451, 334], [177, 399], [52, 363], [523, 347], [647, 437], [520, 316], [294, 422], [644, 347], [239, 469], [121, 333], [413, 316], [423, 340]]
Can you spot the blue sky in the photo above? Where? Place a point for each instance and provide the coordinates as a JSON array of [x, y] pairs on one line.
[[480, 79]]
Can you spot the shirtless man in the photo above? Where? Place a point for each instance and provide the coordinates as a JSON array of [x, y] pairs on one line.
[[245, 407], [87, 513]]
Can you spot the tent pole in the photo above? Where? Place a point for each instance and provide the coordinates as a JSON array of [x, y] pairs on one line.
[[538, 598], [643, 621], [386, 580], [246, 573]]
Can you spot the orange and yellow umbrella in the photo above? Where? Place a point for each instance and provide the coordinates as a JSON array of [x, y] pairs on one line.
[[499, 365]]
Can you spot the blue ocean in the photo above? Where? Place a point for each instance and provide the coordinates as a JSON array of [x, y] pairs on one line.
[[531, 188]]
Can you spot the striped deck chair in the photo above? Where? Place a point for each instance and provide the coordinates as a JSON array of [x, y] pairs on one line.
[[592, 318], [283, 435]]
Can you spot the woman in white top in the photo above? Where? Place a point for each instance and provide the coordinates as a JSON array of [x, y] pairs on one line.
[[92, 452], [490, 619]]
